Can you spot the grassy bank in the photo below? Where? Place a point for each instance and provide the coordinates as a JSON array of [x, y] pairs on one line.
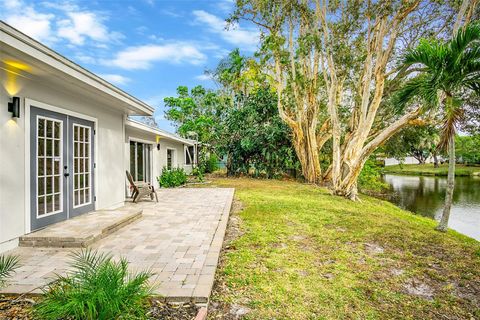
[[429, 170], [299, 253]]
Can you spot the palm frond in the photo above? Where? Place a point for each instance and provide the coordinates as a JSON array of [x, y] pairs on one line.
[[464, 38], [429, 53], [422, 87], [8, 264]]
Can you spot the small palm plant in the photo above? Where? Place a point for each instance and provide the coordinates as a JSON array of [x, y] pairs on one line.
[[448, 71], [8, 264], [97, 288]]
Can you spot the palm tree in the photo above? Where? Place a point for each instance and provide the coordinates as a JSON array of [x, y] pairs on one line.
[[447, 71]]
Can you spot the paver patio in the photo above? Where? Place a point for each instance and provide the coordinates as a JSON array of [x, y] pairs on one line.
[[179, 239]]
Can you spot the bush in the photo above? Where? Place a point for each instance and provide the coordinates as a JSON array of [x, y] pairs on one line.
[[172, 178], [210, 163], [196, 172], [370, 178], [8, 264], [98, 288]]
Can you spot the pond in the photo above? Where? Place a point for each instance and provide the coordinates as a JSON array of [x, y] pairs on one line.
[[425, 195]]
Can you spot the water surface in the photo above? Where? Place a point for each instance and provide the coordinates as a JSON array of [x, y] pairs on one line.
[[425, 196]]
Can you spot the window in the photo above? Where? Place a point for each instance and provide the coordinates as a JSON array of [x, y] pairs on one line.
[[189, 155], [170, 155], [140, 161]]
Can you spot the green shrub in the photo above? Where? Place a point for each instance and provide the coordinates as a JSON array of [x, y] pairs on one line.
[[210, 164], [97, 288], [196, 172], [172, 178], [8, 264], [370, 178]]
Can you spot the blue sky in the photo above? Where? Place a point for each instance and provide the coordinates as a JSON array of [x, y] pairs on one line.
[[146, 47]]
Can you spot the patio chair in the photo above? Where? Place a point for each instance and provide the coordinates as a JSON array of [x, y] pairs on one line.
[[141, 189]]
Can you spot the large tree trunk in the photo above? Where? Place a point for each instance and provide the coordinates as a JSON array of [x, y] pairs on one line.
[[306, 148], [443, 225], [353, 161]]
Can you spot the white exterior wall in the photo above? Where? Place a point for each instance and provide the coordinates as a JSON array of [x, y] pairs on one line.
[[159, 157], [14, 191]]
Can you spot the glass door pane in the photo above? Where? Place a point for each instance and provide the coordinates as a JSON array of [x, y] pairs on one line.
[[132, 159], [148, 162], [140, 162], [169, 158]]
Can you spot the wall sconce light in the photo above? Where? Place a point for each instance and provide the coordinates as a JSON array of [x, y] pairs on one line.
[[158, 142], [14, 107]]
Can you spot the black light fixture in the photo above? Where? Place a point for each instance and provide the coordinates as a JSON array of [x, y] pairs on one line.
[[14, 107]]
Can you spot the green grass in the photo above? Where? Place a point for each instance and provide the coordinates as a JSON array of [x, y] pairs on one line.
[[304, 254], [430, 170]]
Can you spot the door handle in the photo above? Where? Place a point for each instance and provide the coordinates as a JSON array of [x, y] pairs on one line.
[[66, 174]]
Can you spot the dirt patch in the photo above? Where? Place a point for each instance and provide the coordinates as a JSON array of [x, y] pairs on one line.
[[469, 292], [16, 307], [279, 245], [166, 311], [298, 238], [420, 289], [396, 272], [373, 249]]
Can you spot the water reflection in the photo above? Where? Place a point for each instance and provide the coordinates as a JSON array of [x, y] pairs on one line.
[[425, 196]]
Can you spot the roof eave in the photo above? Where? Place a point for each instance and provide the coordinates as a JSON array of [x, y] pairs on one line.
[[143, 127]]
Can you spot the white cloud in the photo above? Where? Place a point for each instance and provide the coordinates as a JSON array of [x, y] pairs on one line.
[[115, 78], [246, 39], [203, 77], [81, 25], [26, 19], [225, 5], [49, 22], [172, 13], [142, 57]]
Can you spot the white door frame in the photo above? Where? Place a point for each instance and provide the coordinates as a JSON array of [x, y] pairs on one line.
[[28, 104]]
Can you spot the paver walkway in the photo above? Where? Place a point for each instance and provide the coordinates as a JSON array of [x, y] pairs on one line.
[[179, 238]]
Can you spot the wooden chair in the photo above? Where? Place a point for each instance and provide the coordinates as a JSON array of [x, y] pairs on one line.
[[141, 189]]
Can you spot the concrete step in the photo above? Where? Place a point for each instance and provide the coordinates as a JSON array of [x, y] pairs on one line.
[[81, 231]]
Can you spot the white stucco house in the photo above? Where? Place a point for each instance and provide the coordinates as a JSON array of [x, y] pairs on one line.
[[66, 139]]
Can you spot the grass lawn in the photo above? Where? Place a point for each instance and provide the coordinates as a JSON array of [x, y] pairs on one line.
[[428, 169], [296, 252]]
